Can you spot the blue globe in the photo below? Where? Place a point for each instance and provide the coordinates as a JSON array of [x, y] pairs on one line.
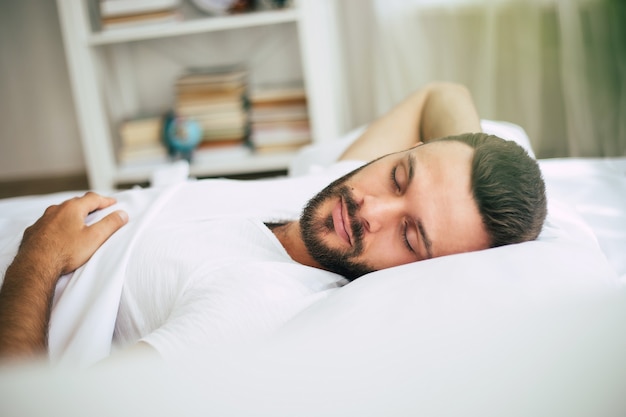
[[183, 135]]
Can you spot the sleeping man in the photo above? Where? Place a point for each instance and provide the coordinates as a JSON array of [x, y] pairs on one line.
[[431, 189]]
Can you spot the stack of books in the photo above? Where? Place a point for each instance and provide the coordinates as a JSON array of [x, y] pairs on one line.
[[279, 119], [141, 141], [217, 99], [116, 14]]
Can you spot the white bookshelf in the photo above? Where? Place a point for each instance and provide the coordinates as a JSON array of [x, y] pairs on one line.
[[88, 53], [197, 25], [248, 164]]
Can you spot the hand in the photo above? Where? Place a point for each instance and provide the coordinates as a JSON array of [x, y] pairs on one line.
[[58, 243], [62, 241], [438, 109]]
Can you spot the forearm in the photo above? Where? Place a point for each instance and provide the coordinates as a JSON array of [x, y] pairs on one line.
[[25, 301], [56, 244], [448, 110], [434, 111]]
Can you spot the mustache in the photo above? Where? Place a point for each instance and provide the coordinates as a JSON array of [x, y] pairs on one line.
[[356, 225]]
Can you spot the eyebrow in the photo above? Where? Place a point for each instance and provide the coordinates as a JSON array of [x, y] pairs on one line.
[[411, 164], [420, 226]]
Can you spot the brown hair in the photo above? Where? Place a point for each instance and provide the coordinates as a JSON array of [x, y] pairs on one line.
[[508, 188]]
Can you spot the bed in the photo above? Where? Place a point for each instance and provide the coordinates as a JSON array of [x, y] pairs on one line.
[[535, 329]]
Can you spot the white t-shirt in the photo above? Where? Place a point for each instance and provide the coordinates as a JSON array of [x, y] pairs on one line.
[[196, 283]]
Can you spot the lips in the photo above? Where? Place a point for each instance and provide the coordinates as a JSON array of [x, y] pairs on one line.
[[340, 222]]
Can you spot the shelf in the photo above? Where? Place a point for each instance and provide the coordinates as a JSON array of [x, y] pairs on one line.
[[193, 26], [245, 164], [103, 76]]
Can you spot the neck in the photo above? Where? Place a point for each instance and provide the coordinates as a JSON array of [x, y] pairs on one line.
[[289, 236]]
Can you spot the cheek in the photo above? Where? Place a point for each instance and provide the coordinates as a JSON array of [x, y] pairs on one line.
[[374, 178], [386, 252]]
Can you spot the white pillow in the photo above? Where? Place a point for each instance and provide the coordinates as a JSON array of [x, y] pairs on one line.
[[534, 329], [523, 330]]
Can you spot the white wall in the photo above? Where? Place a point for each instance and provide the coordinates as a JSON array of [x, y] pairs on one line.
[[38, 129]]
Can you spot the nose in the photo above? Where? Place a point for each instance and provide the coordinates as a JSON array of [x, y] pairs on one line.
[[377, 212]]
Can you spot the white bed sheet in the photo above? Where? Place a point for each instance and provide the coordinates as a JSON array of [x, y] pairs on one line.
[[595, 188]]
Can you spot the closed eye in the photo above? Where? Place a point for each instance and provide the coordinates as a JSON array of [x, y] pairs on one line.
[[406, 239], [394, 179]]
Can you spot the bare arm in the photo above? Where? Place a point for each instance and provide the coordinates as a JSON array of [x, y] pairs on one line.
[[58, 243], [434, 111]]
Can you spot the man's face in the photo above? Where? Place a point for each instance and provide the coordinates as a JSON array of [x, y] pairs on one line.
[[401, 208]]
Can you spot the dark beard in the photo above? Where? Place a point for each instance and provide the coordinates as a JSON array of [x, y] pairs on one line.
[[313, 227]]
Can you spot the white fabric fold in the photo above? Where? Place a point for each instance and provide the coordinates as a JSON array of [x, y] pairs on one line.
[[86, 302]]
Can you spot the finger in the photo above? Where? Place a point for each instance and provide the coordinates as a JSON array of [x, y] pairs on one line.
[[92, 201], [103, 229]]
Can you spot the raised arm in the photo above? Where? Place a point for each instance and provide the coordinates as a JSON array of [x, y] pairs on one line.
[[58, 243], [434, 111]]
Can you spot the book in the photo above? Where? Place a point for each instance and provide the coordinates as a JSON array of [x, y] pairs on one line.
[[225, 75], [267, 102], [143, 153], [216, 98], [264, 150], [208, 108], [221, 119], [279, 119], [278, 94], [125, 21], [110, 8], [141, 141], [234, 133], [226, 129], [140, 131], [222, 144], [276, 114], [200, 94], [280, 136]]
